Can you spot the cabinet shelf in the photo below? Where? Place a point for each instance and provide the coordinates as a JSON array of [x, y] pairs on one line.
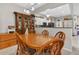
[[24, 21]]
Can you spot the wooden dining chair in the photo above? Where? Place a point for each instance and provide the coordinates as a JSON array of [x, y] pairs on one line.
[[53, 47], [56, 47], [45, 32], [22, 48], [60, 35]]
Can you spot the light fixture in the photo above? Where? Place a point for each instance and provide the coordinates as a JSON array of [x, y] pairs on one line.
[[47, 15], [32, 9], [27, 11], [24, 10]]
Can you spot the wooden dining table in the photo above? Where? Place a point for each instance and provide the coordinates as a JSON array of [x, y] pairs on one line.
[[37, 41]]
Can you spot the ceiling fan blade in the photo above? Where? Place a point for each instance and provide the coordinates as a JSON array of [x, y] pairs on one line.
[[40, 17]]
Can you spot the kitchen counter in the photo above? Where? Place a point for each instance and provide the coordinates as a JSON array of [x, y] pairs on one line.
[[53, 27], [53, 31]]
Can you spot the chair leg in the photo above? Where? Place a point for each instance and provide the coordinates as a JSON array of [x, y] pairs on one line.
[[17, 52]]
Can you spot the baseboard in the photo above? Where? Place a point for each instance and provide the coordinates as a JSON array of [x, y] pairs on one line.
[[76, 47], [70, 50]]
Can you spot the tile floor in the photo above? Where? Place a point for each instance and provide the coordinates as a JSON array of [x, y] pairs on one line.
[[12, 51], [8, 51]]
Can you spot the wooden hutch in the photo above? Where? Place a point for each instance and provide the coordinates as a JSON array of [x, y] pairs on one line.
[[24, 22]]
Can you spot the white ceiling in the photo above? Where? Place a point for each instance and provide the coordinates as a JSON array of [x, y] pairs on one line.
[[29, 5], [25, 5], [53, 9], [58, 11]]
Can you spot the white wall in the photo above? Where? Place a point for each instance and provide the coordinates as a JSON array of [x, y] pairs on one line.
[[7, 16], [76, 9]]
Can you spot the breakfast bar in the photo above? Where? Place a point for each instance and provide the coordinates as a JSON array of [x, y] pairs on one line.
[[53, 31]]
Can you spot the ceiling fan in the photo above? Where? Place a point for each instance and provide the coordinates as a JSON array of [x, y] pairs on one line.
[[39, 16], [31, 8]]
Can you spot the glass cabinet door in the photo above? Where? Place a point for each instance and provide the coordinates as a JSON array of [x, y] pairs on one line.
[[28, 18], [20, 23], [25, 23]]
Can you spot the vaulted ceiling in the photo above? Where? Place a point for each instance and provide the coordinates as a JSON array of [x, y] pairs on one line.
[[53, 9]]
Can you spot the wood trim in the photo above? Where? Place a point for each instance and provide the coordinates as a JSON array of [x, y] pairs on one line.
[[7, 40], [23, 23]]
